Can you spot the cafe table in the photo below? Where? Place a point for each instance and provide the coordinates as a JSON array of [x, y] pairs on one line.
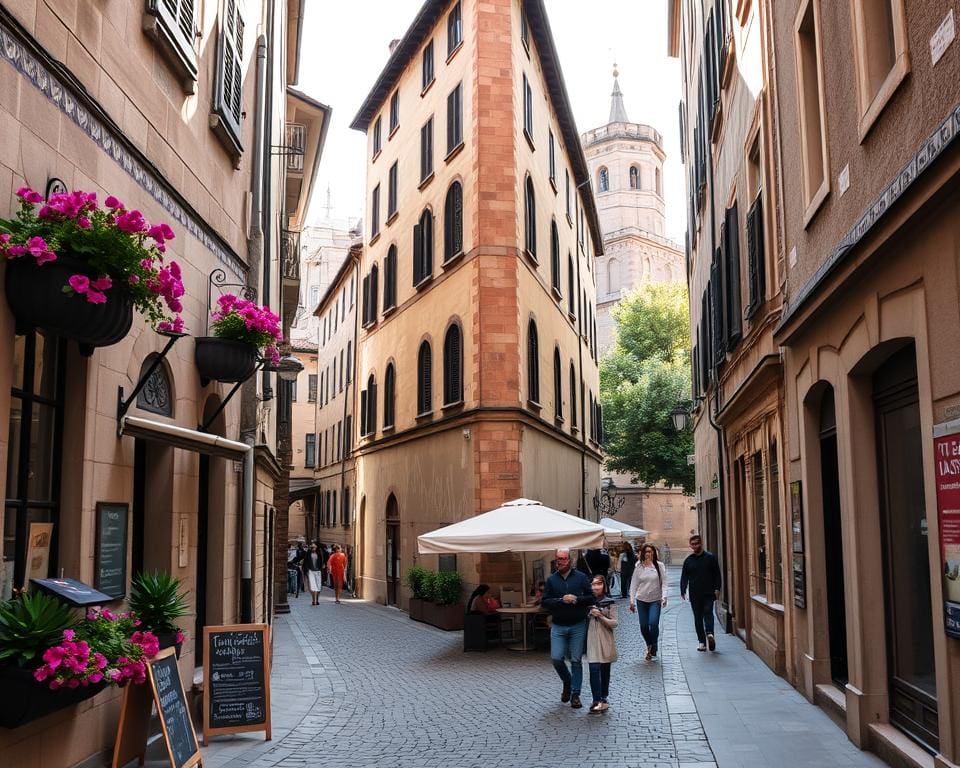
[[526, 612]]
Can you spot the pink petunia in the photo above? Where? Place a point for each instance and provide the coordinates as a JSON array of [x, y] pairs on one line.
[[83, 222], [133, 279], [95, 297], [112, 203], [80, 284], [69, 634], [29, 196], [102, 283]]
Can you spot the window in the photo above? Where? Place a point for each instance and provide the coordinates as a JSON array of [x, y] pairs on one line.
[[351, 290], [566, 177], [348, 437], [333, 381], [530, 220], [338, 441], [634, 177], [389, 395], [658, 183], [527, 110], [375, 212], [453, 222], [345, 520], [424, 380], [423, 248], [426, 151], [175, 28], [341, 371], [533, 363], [452, 366], [730, 245], [603, 182], [758, 512], [816, 182], [455, 118], [371, 425], [557, 385], [310, 451], [312, 388], [374, 278], [552, 159], [613, 275], [880, 44], [349, 361], [394, 111], [314, 295], [376, 138], [427, 73], [573, 398], [756, 258], [228, 97], [390, 279], [392, 191], [293, 394], [555, 258], [774, 492], [571, 294], [454, 29]]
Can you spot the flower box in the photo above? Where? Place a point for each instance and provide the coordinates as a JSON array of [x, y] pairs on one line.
[[448, 617], [25, 700], [416, 608], [224, 360]]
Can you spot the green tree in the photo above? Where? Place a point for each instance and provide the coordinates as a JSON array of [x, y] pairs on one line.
[[642, 378]]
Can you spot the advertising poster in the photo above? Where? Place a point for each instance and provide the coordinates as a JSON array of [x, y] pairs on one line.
[[946, 453], [38, 551]]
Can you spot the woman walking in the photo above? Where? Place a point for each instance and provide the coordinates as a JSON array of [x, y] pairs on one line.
[[628, 561], [338, 570], [313, 570], [601, 644], [648, 594]]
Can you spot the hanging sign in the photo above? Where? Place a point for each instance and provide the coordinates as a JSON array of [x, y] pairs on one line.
[[110, 575], [236, 679], [946, 458]]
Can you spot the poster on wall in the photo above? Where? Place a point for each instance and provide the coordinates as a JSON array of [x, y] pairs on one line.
[[796, 516], [799, 581], [38, 551], [946, 457]]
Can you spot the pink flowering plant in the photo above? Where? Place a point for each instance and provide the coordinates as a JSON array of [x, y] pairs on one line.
[[242, 320], [118, 246]]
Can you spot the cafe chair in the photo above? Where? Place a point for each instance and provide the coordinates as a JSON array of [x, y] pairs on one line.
[[481, 631]]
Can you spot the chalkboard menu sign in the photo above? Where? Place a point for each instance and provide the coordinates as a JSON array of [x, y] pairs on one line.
[[236, 679], [172, 708], [111, 567]]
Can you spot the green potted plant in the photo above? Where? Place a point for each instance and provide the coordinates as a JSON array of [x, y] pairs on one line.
[[156, 599], [242, 331], [445, 609], [415, 581], [79, 270]]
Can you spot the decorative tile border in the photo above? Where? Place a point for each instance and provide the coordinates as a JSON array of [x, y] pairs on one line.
[[81, 109]]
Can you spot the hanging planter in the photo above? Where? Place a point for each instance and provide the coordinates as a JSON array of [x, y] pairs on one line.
[[224, 360], [24, 700], [77, 270]]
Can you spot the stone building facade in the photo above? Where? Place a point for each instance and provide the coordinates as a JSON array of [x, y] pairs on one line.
[[124, 103], [843, 390], [477, 358]]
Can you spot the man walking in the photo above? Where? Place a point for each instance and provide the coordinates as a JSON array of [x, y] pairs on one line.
[[567, 596], [701, 573]]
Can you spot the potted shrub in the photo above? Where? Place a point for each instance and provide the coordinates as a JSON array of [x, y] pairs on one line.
[[79, 270], [241, 330], [415, 581], [446, 609], [157, 601]]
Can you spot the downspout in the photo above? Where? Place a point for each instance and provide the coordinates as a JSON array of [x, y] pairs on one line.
[[248, 406], [582, 404], [343, 433], [266, 181]]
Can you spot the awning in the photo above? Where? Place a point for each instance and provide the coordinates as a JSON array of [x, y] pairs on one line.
[[182, 437], [623, 530]]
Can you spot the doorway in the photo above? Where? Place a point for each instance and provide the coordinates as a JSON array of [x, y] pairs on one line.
[[393, 549], [909, 621], [833, 540]]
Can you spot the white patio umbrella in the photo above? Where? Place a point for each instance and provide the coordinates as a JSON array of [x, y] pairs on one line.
[[620, 531], [521, 526]]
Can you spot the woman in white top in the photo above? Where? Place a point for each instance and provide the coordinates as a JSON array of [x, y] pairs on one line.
[[648, 594]]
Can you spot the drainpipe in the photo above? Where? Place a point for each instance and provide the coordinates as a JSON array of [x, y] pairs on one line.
[[248, 403], [581, 404], [266, 181]]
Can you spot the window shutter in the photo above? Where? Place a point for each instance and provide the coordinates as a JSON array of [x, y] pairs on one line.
[[363, 412], [453, 222], [374, 292], [734, 307], [365, 304], [755, 257], [424, 389], [533, 363], [372, 408], [388, 396], [554, 256], [417, 253], [716, 313], [426, 226], [573, 396], [557, 385], [228, 100], [176, 28]]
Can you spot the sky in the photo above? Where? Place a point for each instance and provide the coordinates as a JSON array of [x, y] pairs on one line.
[[345, 47]]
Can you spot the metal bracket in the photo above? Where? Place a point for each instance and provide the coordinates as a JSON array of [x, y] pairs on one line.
[[124, 405], [218, 279], [285, 150]]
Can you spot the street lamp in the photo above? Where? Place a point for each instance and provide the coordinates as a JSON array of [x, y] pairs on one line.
[[606, 502], [680, 417], [289, 368]]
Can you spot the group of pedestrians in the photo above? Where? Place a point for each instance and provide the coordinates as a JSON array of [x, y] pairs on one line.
[[311, 566], [583, 616]]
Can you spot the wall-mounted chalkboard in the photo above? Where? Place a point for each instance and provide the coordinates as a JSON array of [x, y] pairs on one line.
[[236, 679], [172, 707], [110, 575]]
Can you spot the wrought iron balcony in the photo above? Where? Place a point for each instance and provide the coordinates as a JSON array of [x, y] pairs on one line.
[[290, 255], [295, 145]]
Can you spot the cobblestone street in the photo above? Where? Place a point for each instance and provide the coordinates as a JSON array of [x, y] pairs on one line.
[[363, 684]]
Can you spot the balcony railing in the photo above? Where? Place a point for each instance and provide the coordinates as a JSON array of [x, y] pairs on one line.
[[296, 143], [290, 254]]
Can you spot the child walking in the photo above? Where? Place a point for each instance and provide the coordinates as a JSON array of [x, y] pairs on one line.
[[601, 644]]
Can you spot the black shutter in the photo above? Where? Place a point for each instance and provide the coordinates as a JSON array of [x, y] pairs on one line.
[[716, 314], [363, 412], [756, 277], [533, 363], [557, 385], [372, 408], [365, 305], [426, 227], [417, 253], [732, 281], [228, 97], [453, 222], [374, 293]]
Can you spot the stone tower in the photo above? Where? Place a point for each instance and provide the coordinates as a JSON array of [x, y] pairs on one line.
[[626, 166]]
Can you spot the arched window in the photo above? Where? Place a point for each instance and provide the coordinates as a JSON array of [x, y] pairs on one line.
[[453, 222], [555, 257], [603, 180], [659, 182], [530, 220], [371, 425], [390, 279], [424, 379], [423, 247], [634, 177], [557, 384], [533, 363], [571, 294], [452, 366], [389, 395], [613, 275], [374, 280], [573, 397]]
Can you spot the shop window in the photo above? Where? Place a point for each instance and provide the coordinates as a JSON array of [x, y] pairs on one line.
[[761, 525]]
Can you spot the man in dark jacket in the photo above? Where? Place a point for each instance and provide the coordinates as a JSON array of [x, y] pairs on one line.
[[568, 597], [701, 573]]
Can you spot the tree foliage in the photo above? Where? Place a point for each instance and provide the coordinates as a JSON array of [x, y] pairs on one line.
[[642, 378]]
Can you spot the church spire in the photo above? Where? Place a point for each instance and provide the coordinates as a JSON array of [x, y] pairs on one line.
[[618, 113]]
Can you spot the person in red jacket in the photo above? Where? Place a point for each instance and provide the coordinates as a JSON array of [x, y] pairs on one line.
[[337, 565]]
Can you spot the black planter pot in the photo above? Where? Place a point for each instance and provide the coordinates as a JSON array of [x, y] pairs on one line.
[[169, 640], [36, 298], [25, 700], [224, 360]]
